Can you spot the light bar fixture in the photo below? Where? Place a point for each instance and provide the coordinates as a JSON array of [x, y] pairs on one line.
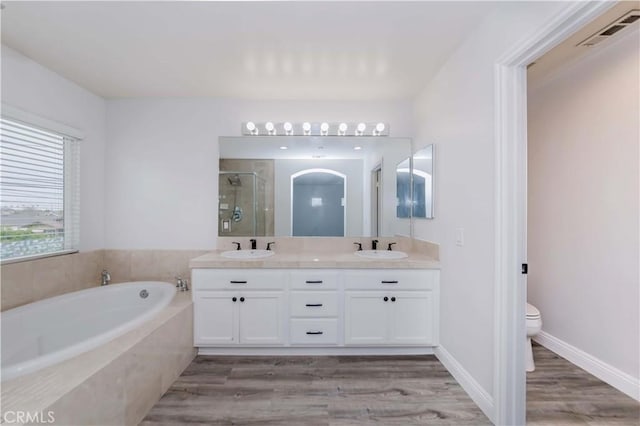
[[308, 128]]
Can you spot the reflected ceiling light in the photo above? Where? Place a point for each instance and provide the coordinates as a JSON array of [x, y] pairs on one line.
[[357, 148], [284, 147], [288, 128], [342, 129], [324, 129]]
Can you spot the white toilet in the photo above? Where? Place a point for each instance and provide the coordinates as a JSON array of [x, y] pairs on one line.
[[534, 325]]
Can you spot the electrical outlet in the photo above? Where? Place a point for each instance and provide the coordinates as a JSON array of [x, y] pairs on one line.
[[460, 237]]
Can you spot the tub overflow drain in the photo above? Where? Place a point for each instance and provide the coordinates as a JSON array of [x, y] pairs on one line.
[[144, 294]]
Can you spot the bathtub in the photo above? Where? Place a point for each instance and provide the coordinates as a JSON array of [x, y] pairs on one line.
[[47, 332]]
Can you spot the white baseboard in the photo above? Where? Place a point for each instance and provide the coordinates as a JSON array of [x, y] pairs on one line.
[[315, 351], [618, 379], [468, 383]]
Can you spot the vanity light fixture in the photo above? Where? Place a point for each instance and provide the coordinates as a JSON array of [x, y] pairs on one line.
[[318, 128], [379, 129], [271, 129], [251, 127]]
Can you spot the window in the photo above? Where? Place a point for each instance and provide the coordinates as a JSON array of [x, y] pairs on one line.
[[39, 191]]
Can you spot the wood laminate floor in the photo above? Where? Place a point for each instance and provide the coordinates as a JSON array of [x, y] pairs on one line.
[[307, 391], [413, 390], [559, 393]]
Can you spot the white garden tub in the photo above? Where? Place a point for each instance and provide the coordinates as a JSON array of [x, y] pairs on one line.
[[47, 332]]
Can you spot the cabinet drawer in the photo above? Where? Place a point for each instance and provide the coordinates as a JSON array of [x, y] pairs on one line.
[[313, 279], [238, 279], [314, 331], [314, 304], [385, 279]]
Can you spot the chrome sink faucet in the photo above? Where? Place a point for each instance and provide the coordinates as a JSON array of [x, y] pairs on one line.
[[106, 277], [374, 244], [254, 243]]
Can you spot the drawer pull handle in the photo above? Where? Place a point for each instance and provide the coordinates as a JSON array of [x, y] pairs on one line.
[[237, 282], [313, 305], [313, 282], [315, 332], [389, 281]]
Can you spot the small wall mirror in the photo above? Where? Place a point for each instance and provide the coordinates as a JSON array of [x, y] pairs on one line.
[[423, 183], [403, 188]]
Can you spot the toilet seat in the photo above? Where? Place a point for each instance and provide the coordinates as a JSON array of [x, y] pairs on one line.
[[532, 312]]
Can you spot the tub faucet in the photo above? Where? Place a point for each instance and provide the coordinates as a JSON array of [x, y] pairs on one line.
[[182, 284], [106, 277]]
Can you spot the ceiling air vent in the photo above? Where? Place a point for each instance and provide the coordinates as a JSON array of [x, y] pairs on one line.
[[613, 28]]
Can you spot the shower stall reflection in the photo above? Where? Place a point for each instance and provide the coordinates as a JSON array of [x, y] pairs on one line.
[[242, 204]]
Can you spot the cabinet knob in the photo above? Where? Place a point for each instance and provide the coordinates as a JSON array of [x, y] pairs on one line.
[[234, 299], [242, 299], [393, 299], [386, 299]]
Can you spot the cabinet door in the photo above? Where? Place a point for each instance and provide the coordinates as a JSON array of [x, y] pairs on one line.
[[412, 318], [215, 316], [261, 318], [366, 318]]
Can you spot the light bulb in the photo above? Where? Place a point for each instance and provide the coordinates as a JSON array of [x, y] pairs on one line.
[[362, 127], [343, 127], [251, 127], [324, 128], [269, 126], [380, 127], [306, 126], [288, 127]]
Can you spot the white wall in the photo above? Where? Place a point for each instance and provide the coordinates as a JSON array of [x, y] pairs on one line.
[[583, 231], [456, 113], [35, 89], [162, 161]]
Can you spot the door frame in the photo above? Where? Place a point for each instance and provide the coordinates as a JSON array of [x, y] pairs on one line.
[[510, 203]]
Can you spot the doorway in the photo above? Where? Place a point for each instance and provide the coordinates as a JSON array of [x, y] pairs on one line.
[[318, 203]]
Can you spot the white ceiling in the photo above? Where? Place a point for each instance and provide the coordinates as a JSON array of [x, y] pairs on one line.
[[251, 50]]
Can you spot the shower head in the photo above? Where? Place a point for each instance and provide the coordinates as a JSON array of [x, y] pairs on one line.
[[234, 180]]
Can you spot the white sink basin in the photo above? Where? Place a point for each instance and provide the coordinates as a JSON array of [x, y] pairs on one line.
[[247, 254], [381, 254]]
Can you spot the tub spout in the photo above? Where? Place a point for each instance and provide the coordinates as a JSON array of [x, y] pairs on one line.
[[106, 277]]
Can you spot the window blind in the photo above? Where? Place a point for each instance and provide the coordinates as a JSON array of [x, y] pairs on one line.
[[39, 191]]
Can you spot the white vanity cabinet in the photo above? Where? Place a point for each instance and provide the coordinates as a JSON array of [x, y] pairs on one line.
[[238, 307], [391, 307], [316, 309]]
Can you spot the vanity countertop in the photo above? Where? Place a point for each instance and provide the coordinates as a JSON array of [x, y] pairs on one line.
[[320, 259]]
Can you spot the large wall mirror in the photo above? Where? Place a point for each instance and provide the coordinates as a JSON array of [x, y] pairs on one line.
[[310, 186]]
